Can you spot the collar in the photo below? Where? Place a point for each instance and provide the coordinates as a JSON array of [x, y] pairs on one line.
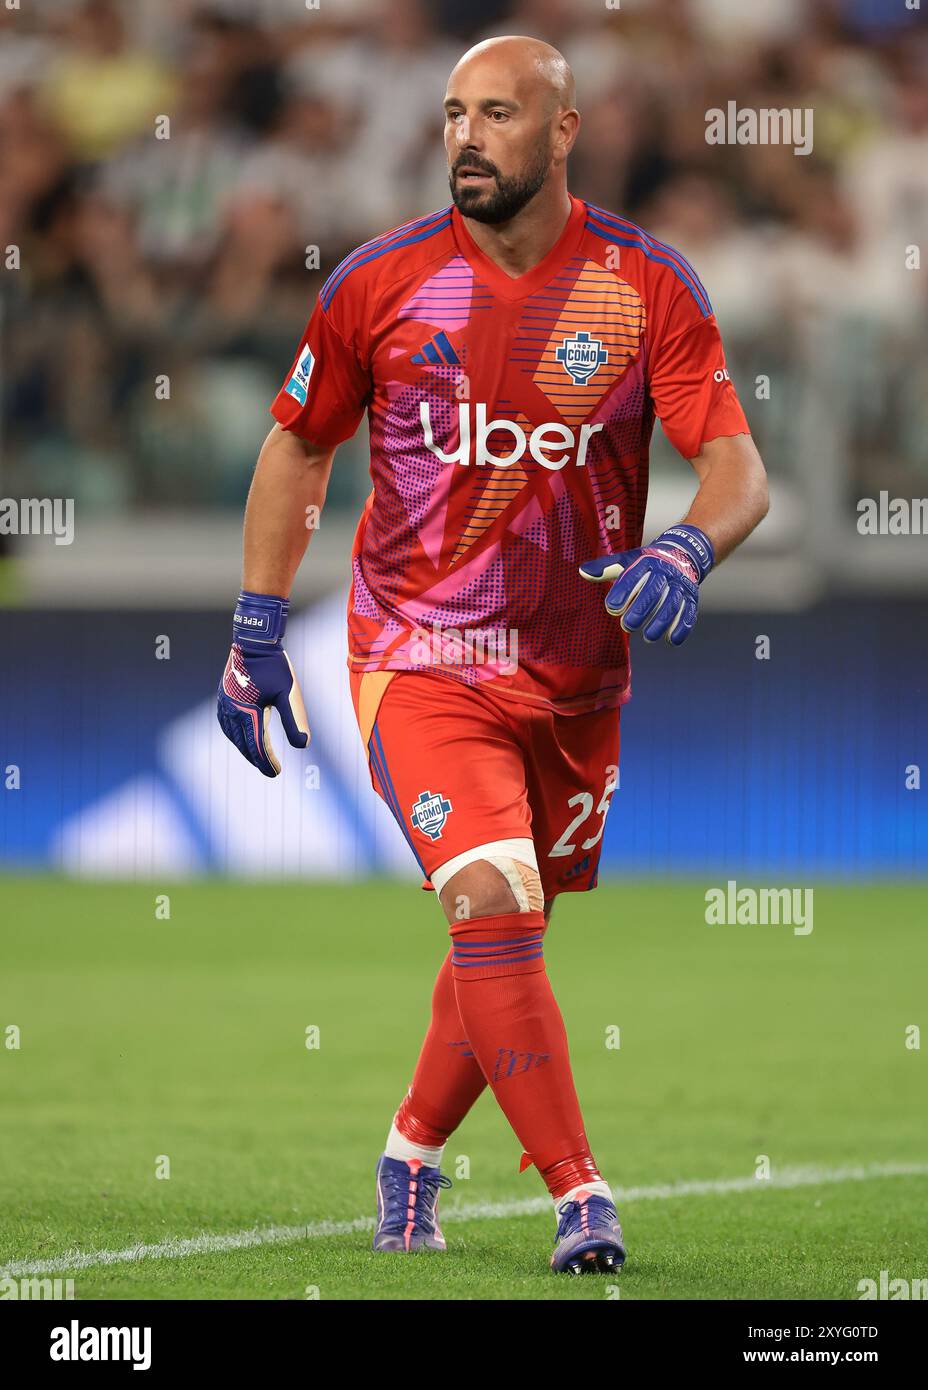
[[519, 286]]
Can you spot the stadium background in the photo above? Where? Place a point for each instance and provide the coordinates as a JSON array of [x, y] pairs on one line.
[[185, 257]]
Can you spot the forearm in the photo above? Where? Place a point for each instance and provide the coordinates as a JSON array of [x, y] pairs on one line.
[[732, 497], [289, 483]]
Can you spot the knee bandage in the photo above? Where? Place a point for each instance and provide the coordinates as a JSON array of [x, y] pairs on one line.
[[515, 860]]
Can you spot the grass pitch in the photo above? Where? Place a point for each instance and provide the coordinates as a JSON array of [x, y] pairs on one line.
[[145, 1043]]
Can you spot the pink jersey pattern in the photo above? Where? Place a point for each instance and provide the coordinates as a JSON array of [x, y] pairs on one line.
[[510, 420]]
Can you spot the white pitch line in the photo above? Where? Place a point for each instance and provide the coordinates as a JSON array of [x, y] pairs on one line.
[[207, 1244]]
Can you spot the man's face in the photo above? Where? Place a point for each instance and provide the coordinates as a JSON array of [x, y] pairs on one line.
[[498, 140]]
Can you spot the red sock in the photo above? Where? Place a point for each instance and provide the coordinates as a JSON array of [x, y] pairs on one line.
[[447, 1079], [515, 1029]]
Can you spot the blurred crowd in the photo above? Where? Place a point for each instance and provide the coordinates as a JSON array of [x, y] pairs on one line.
[[165, 164]]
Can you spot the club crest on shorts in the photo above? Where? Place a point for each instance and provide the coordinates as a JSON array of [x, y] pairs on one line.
[[430, 812], [581, 357]]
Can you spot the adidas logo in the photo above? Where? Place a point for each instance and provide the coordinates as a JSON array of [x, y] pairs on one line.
[[576, 869], [436, 351]]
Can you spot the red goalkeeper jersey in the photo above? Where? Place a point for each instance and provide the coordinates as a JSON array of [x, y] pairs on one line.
[[510, 420]]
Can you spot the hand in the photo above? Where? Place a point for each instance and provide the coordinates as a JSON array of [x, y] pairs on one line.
[[657, 586], [258, 678]]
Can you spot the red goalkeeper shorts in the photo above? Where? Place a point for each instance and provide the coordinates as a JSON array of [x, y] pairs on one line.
[[461, 768]]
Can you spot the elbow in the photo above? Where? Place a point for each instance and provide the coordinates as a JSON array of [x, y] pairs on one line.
[[761, 491]]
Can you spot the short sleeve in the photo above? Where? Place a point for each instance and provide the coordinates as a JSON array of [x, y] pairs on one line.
[[327, 388], [692, 392]]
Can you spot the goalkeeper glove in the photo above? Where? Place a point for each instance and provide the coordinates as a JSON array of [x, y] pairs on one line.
[[257, 678], [657, 586]]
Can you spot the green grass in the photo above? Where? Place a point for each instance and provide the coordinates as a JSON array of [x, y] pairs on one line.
[[185, 1038]]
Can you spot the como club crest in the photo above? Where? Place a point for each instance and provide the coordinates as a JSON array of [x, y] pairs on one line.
[[581, 357], [430, 812]]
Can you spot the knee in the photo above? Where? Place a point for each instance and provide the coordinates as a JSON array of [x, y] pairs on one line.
[[478, 890], [489, 881]]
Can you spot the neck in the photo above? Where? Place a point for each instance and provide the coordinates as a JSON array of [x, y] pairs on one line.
[[519, 244]]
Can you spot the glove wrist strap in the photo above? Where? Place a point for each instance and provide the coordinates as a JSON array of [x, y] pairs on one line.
[[260, 621], [692, 540]]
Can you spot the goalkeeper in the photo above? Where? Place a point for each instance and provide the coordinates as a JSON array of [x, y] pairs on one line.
[[511, 352]]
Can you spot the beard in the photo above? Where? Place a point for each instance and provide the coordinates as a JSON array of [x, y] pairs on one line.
[[510, 195]]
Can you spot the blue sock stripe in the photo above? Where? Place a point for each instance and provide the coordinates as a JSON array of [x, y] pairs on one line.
[[507, 944], [499, 952], [505, 951], [460, 942], [494, 960], [489, 960]]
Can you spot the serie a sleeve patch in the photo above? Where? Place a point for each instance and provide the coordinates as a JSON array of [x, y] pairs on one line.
[[298, 384]]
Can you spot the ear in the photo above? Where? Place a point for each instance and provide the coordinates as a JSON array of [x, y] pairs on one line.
[[565, 134]]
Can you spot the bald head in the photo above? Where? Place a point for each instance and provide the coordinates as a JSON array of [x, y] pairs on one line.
[[510, 122], [531, 63]]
